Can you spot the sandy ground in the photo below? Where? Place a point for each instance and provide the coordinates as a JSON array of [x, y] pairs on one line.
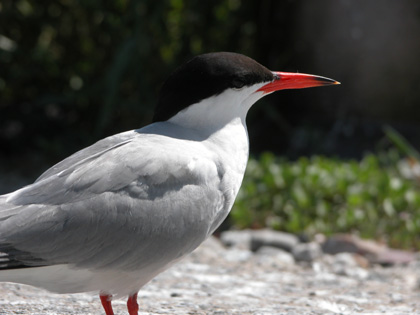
[[215, 280]]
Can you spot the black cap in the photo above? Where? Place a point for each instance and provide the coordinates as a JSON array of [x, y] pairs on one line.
[[205, 76]]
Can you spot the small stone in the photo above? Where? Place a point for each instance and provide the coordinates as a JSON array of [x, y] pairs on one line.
[[237, 255], [397, 298], [347, 243], [345, 259], [346, 264], [210, 249], [239, 239], [272, 238], [276, 257], [373, 251], [307, 251], [393, 256]]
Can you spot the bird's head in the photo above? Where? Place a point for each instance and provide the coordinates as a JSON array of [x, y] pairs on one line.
[[223, 85]]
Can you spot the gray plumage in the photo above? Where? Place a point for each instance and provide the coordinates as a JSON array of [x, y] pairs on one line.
[[102, 207]]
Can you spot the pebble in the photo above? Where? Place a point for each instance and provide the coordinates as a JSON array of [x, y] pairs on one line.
[[266, 237], [239, 239], [373, 251], [274, 256], [307, 251]]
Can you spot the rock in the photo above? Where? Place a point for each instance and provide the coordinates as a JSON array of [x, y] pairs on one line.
[[351, 259], [254, 239], [210, 250], [392, 256], [238, 255], [361, 261], [396, 298], [373, 251], [346, 264], [341, 243], [276, 257], [346, 243], [282, 240], [239, 239], [307, 251]]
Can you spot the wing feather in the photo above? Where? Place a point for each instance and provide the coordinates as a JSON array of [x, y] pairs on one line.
[[121, 198]]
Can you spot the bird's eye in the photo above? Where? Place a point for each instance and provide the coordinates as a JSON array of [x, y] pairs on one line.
[[238, 83]]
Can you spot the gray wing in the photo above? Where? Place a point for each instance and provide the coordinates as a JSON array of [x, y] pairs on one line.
[[90, 152], [125, 205]]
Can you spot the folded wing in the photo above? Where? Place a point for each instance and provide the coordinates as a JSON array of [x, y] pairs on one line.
[[122, 203]]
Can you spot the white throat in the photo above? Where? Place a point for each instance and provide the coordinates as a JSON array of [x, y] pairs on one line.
[[220, 120], [213, 113]]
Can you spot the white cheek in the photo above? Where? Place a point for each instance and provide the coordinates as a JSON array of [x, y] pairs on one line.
[[215, 112]]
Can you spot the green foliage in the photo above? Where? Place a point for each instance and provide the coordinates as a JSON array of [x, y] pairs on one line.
[[87, 69], [323, 195], [401, 143]]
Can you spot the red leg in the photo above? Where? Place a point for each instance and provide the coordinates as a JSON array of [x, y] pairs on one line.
[[106, 303], [132, 305]]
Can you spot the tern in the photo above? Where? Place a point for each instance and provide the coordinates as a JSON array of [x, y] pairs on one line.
[[112, 216]]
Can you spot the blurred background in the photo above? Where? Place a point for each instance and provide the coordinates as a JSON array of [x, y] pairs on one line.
[[73, 72]]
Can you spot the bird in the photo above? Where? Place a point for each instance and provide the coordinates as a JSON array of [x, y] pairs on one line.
[[112, 216]]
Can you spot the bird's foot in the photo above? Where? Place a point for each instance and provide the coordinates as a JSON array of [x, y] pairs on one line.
[[106, 303], [132, 305]]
